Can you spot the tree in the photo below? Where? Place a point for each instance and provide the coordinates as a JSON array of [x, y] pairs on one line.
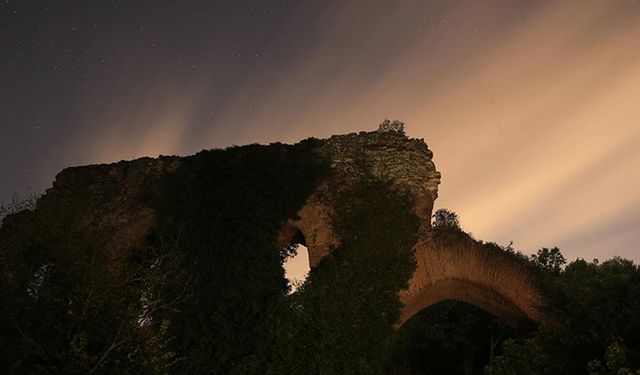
[[615, 361], [520, 356], [595, 312], [18, 204], [446, 219], [550, 260]]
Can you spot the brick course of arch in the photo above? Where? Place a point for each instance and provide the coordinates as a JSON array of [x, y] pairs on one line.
[[469, 272]]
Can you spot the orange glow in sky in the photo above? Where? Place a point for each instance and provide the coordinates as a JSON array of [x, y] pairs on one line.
[[532, 108]]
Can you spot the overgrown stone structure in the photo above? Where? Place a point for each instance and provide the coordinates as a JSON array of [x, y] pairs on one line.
[[405, 163], [494, 281], [465, 271]]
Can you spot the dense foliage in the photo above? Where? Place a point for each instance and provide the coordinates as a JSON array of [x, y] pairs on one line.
[[449, 338], [593, 327], [224, 210], [68, 299], [341, 320], [596, 327], [206, 294], [75, 300]]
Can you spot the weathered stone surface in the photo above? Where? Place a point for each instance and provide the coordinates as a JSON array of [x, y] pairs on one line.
[[391, 156], [490, 280], [113, 197]]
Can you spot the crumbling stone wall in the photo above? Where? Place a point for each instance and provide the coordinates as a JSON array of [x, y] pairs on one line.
[[461, 271], [391, 156], [491, 281]]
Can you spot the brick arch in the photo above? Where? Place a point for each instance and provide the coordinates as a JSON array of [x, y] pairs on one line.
[[492, 280]]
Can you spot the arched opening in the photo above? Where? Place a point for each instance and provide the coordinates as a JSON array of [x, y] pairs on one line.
[[450, 337], [295, 259], [468, 292], [462, 302], [470, 272], [297, 238]]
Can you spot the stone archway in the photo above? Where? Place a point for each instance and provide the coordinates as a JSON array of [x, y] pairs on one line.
[[314, 225], [490, 279]]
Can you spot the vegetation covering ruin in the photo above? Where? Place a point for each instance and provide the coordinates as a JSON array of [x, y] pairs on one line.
[[203, 291]]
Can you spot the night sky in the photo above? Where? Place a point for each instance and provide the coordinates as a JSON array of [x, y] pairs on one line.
[[532, 108]]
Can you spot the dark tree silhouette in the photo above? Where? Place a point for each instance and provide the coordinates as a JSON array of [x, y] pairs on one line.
[[550, 260], [444, 218]]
